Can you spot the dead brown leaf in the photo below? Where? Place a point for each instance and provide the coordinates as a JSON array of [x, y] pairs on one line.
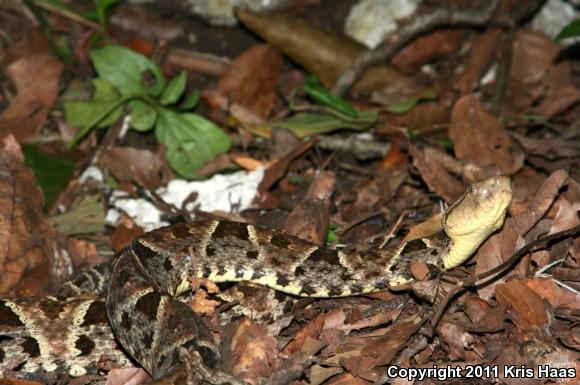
[[139, 21], [427, 48], [127, 376], [310, 219], [82, 253], [197, 62], [323, 53], [361, 366], [566, 215], [30, 263], [248, 163], [240, 113], [435, 176], [491, 322], [129, 164], [423, 119], [310, 330], [558, 99], [35, 77], [348, 379], [319, 374], [14, 381], [395, 158], [527, 310], [551, 292], [475, 307], [385, 348], [376, 320], [480, 58], [499, 247], [533, 54], [282, 142], [549, 147], [541, 202], [480, 138], [252, 353], [275, 172], [251, 79], [458, 341], [124, 233]]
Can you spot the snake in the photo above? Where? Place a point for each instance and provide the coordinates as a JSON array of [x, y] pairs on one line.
[[142, 306]]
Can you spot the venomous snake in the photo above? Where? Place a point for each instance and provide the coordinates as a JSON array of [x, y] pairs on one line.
[[155, 328]]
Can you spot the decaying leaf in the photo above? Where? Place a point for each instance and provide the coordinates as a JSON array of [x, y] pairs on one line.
[[35, 74], [28, 238], [479, 138], [251, 78], [322, 53], [527, 310], [252, 353]]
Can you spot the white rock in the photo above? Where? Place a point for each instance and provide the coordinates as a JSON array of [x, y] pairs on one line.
[[369, 21], [223, 192]]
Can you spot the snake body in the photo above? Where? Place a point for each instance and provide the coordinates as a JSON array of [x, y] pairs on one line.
[[154, 327]]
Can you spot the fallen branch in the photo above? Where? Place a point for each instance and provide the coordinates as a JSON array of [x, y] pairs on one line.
[[423, 24]]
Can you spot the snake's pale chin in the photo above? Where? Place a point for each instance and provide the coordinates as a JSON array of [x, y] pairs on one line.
[[474, 217]]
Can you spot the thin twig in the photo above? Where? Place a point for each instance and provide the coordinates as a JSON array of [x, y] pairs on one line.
[[539, 243], [503, 72], [393, 230], [418, 26], [478, 280], [110, 138], [426, 23], [326, 110], [69, 15]]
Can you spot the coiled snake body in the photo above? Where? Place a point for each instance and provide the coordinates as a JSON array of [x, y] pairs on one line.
[[154, 327]]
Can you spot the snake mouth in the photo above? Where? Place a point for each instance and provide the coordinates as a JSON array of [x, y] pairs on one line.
[[475, 216]]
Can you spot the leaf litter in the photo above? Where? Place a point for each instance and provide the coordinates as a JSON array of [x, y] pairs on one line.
[[440, 141]]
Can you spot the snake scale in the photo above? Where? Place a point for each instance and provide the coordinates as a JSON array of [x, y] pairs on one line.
[[155, 328]]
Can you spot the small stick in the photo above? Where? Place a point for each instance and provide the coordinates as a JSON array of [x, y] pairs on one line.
[[418, 26], [479, 280], [69, 15]]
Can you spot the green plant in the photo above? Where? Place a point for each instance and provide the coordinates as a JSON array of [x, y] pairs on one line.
[[570, 30], [101, 8], [97, 14], [128, 80]]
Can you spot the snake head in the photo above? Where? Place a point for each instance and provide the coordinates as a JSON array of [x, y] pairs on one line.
[[474, 217]]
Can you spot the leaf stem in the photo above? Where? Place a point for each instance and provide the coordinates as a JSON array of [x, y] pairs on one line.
[[85, 130]]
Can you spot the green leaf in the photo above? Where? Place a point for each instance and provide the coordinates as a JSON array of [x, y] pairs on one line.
[[129, 71], [331, 236], [90, 14], [52, 171], [306, 124], [143, 116], [402, 106], [104, 90], [191, 101], [57, 4], [174, 89], [571, 30], [86, 216], [321, 95], [407, 104], [103, 5], [191, 141], [81, 113]]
